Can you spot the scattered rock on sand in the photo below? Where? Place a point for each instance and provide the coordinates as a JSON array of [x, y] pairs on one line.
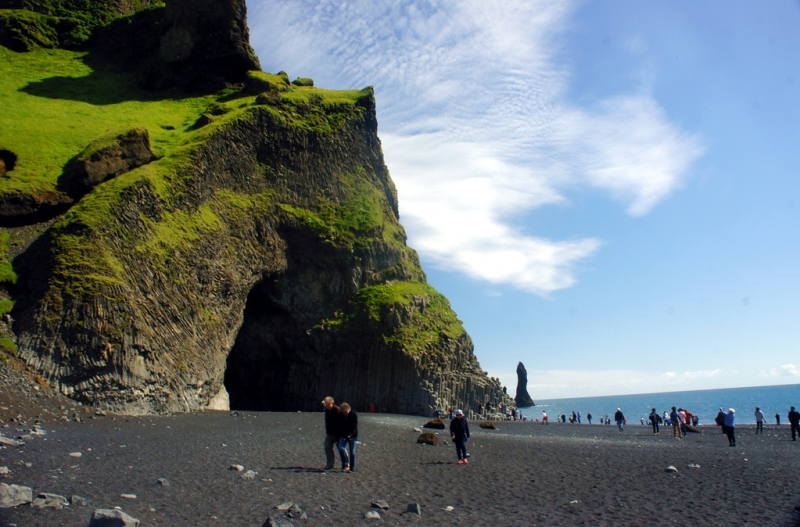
[[49, 501], [434, 423], [381, 504], [372, 515], [13, 495], [3, 471], [670, 469], [7, 441], [75, 454], [285, 506], [277, 522], [112, 518], [488, 425], [418, 430], [296, 512], [692, 465], [249, 474], [163, 482], [449, 508], [428, 438], [128, 496], [238, 468], [77, 500], [414, 508]]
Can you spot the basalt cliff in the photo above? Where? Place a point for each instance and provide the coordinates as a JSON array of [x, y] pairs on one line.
[[181, 230]]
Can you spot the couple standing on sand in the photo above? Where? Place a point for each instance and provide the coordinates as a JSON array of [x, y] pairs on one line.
[[341, 429]]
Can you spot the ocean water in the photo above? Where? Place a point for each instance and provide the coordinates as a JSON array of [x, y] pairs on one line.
[[705, 403]]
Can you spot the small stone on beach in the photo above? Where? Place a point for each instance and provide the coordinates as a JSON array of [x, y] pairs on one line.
[[163, 482], [372, 515], [249, 474], [449, 508], [238, 468], [75, 454], [381, 504], [112, 518], [128, 496], [49, 501], [414, 508], [670, 469]]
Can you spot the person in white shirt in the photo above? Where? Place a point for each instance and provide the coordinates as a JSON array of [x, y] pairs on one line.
[[759, 421]]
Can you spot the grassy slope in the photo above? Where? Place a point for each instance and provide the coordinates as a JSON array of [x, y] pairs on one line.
[[55, 105]]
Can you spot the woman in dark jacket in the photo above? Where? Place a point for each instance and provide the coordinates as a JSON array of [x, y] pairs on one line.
[[459, 433], [348, 436]]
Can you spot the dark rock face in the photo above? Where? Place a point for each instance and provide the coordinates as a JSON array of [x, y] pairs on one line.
[[105, 160], [25, 209], [206, 43], [522, 398]]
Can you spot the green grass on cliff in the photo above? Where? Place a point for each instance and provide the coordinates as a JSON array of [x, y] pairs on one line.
[[428, 324], [7, 274]]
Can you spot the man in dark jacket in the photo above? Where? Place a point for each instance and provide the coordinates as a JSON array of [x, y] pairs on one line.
[[459, 433], [619, 418], [794, 422], [348, 435], [332, 416], [655, 420]]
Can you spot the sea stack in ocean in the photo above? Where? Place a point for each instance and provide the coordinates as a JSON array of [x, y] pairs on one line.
[[523, 398]]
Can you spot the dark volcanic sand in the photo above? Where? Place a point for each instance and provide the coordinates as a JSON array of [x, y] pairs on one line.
[[523, 474]]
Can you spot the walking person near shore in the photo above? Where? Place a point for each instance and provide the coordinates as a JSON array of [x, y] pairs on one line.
[[777, 419], [730, 427], [675, 419], [794, 422], [332, 415], [589, 417], [759, 421], [348, 437], [619, 418], [655, 420], [544, 418], [459, 433]]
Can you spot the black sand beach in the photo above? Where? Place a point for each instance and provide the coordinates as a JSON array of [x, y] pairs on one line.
[[521, 474]]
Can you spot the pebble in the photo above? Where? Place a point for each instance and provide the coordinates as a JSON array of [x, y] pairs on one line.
[[3, 470], [414, 508], [49, 501], [449, 508], [163, 482], [238, 468], [670, 469], [372, 515], [249, 474], [10, 442], [13, 495], [692, 465], [112, 518], [277, 522], [77, 500], [381, 504], [75, 454], [128, 496]]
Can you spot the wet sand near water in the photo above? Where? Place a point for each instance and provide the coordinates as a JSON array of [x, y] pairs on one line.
[[521, 474]]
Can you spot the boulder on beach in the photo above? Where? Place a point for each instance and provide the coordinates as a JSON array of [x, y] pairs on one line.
[[488, 425], [428, 438], [693, 429], [434, 423], [13, 495]]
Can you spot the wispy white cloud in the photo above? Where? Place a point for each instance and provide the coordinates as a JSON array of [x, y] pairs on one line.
[[476, 127], [787, 370]]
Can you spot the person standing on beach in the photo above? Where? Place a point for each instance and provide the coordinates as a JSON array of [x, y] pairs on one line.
[[730, 427], [544, 418], [682, 419], [675, 419], [655, 420], [759, 421], [579, 418], [348, 436], [777, 419], [589, 417], [619, 418], [459, 433], [794, 422], [720, 420], [332, 415]]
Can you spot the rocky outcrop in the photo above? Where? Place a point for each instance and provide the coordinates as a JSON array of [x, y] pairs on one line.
[[27, 208], [104, 159], [522, 398], [229, 279], [259, 263]]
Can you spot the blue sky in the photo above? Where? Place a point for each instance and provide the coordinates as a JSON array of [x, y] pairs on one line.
[[605, 191]]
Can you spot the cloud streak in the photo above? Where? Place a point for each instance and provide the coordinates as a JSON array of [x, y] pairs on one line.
[[476, 125]]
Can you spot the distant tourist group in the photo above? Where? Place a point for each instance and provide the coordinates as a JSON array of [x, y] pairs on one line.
[[682, 421]]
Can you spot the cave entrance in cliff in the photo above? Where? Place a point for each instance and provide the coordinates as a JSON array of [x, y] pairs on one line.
[[264, 369]]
